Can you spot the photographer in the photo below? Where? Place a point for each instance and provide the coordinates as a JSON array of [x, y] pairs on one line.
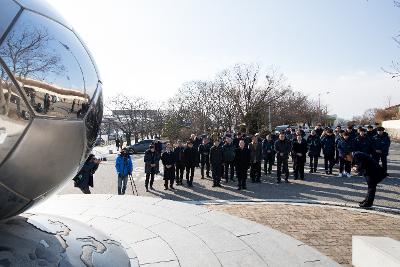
[[84, 178], [124, 168]]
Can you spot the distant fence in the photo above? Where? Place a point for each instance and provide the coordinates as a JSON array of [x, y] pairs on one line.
[[393, 128]]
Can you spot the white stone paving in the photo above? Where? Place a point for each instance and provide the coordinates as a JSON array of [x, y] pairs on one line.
[[158, 232]]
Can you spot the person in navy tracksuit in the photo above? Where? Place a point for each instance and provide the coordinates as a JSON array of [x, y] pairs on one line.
[[314, 150], [329, 149], [344, 145], [268, 151], [381, 144]]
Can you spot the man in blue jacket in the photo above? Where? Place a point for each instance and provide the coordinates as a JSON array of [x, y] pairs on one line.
[[381, 144], [124, 167]]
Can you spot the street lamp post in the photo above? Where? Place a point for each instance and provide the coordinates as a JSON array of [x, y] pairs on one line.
[[319, 104]]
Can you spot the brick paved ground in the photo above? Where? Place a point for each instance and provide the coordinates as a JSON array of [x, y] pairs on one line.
[[327, 229]]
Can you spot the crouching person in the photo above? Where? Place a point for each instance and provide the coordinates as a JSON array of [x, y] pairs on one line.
[[242, 164], [124, 168], [373, 173], [168, 160]]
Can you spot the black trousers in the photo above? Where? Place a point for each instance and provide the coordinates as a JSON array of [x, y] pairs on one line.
[[268, 162], [241, 174], [255, 171], [149, 178], [229, 166], [169, 176], [383, 158], [85, 190], [217, 173], [329, 160], [190, 174], [298, 164], [179, 169], [205, 163], [370, 197], [344, 165], [282, 163], [314, 162]]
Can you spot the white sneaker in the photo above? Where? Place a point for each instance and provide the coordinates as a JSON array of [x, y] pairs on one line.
[[340, 175], [348, 175]]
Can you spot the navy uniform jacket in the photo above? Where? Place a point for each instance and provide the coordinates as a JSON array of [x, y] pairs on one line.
[[300, 148], [328, 144], [366, 164], [242, 158], [363, 144], [314, 145], [381, 142]]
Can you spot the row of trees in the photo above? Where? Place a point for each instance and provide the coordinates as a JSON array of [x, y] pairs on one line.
[[238, 98]]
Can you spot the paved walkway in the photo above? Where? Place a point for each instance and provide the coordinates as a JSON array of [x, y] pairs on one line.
[[315, 187], [325, 228], [159, 232]]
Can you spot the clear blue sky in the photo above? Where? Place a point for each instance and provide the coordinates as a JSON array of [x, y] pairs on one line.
[[150, 47]]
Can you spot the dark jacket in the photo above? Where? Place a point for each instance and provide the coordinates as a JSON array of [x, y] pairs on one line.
[[352, 135], [268, 148], [328, 144], [314, 145], [87, 171], [216, 156], [371, 135], [381, 142], [168, 158], [300, 148], [179, 156], [344, 146], [190, 156], [204, 150], [284, 147], [363, 144], [151, 158], [255, 152], [228, 152], [319, 131], [242, 158], [158, 147], [373, 172], [123, 165]]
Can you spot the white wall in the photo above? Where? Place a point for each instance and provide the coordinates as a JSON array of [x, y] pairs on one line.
[[393, 128]]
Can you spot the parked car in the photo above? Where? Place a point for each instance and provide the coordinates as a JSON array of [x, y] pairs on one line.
[[280, 128], [143, 145]]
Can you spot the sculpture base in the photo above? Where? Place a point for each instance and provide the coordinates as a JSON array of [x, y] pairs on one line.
[[47, 240]]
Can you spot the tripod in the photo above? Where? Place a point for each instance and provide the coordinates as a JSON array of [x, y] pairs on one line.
[[133, 185]]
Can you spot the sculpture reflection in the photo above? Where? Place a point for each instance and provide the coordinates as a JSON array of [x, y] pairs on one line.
[[54, 69], [14, 114]]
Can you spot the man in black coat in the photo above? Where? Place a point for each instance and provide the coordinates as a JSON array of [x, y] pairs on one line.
[[168, 160], [381, 144], [314, 150], [283, 147], [328, 144], [242, 164], [371, 132], [255, 148], [300, 149], [204, 151], [191, 158], [228, 152], [216, 159], [373, 173], [179, 162]]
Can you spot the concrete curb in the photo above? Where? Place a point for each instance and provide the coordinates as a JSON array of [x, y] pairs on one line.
[[393, 212]]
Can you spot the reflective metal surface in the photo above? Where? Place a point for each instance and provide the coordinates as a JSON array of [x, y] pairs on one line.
[[43, 7], [8, 10], [14, 115], [51, 64], [93, 120], [42, 240], [50, 105], [49, 152]]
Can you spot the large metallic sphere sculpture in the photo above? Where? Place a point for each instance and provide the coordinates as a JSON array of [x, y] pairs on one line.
[[50, 103]]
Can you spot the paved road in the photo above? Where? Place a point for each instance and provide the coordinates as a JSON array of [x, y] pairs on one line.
[[314, 187]]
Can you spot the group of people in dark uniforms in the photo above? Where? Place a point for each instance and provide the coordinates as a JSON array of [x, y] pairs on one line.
[[220, 156]]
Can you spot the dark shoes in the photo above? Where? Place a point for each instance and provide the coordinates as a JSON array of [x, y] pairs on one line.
[[365, 205]]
